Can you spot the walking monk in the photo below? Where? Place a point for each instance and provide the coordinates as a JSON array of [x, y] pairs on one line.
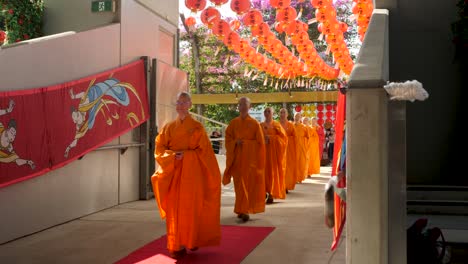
[[290, 171], [302, 139], [187, 184], [245, 162], [276, 141], [313, 145], [321, 136]]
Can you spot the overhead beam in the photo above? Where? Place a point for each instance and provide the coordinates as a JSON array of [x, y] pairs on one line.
[[255, 98]]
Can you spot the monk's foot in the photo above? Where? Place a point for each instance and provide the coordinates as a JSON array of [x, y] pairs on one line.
[[269, 199], [194, 249], [178, 253], [245, 217], [239, 215], [287, 191]]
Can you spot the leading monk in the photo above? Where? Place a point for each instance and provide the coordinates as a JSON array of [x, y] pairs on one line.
[[187, 184]]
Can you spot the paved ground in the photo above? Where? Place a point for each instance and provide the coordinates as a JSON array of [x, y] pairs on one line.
[[109, 235]]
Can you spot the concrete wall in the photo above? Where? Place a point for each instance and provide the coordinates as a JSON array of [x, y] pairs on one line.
[[103, 178], [74, 15], [421, 48]]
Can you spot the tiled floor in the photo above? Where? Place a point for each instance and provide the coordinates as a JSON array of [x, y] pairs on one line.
[[107, 236]]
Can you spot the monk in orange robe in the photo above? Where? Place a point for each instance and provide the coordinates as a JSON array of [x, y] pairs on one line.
[[276, 141], [290, 171], [321, 136], [302, 139], [245, 162], [187, 184], [313, 145]]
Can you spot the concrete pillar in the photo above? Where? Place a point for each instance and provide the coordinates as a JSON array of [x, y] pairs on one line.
[[376, 156], [367, 184]]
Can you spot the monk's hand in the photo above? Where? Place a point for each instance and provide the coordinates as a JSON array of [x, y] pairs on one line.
[[179, 155], [239, 142], [226, 180]]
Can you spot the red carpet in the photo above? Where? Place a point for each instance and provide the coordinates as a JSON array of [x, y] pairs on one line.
[[236, 243]]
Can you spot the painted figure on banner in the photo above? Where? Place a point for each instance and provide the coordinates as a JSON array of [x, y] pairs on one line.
[[187, 183], [291, 159], [7, 137], [99, 98], [245, 162], [276, 142]]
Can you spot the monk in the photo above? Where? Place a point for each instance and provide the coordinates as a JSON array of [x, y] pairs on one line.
[[276, 141], [245, 162], [187, 184], [313, 146], [302, 139], [290, 171], [321, 136]]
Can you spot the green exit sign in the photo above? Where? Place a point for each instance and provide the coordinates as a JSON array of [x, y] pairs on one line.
[[101, 6]]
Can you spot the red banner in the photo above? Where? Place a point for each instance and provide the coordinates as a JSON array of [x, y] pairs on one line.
[[339, 205], [45, 128]]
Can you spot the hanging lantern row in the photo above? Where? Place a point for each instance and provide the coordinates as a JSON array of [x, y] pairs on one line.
[[333, 30], [362, 10], [297, 30], [309, 63]]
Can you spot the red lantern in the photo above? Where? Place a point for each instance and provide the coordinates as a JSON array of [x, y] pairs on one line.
[[240, 6], [221, 28], [190, 21], [280, 3], [260, 30], [320, 115], [234, 24], [320, 107], [319, 3], [252, 18], [210, 16], [343, 27], [232, 40], [286, 15], [219, 2], [195, 5], [298, 108], [279, 27]]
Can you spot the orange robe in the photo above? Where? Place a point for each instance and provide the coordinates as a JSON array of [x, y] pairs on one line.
[[314, 156], [321, 136], [246, 164], [188, 191], [291, 160], [302, 139], [275, 163]]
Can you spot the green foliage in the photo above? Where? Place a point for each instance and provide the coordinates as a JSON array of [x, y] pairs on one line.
[[22, 19]]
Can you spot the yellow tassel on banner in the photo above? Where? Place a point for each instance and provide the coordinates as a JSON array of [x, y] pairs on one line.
[[255, 77], [311, 21]]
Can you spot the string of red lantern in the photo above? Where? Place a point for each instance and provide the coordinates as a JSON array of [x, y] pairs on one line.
[[362, 10], [333, 30]]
